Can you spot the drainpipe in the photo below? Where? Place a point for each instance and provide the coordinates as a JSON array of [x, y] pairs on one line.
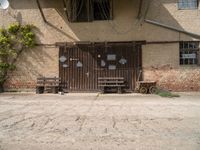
[[140, 10], [172, 28], [41, 11]]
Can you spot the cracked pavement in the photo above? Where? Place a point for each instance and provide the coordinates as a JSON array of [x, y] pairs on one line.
[[99, 122]]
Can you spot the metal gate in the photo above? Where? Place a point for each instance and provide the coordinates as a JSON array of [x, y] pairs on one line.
[[82, 64]]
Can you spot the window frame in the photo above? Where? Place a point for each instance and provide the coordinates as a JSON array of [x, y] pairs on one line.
[[188, 4], [89, 17], [188, 47]]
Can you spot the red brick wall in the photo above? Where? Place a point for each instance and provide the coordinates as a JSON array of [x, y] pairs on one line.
[[184, 79], [34, 63]]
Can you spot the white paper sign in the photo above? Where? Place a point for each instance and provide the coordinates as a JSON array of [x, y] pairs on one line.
[[63, 59], [189, 56]]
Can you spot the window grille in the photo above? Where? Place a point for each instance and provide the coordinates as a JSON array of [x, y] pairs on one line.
[[189, 53], [187, 4]]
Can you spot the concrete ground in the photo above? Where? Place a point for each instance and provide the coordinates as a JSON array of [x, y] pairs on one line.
[[99, 122]]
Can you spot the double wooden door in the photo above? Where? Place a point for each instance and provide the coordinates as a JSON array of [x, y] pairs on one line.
[[81, 65]]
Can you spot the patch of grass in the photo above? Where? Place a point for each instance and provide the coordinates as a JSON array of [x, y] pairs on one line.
[[168, 94]]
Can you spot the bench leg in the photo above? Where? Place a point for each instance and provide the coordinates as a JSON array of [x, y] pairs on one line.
[[55, 90], [39, 90], [119, 90], [103, 90]]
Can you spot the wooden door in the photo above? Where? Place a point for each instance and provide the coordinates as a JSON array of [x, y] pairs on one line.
[[81, 65], [78, 71]]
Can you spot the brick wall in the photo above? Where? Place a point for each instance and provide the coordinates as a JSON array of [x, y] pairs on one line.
[[160, 62], [38, 62]]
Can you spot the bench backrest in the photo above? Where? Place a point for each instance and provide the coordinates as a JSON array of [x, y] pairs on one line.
[[43, 81], [110, 78], [111, 81]]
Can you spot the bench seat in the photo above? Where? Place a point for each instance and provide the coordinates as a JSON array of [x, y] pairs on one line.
[[111, 82]]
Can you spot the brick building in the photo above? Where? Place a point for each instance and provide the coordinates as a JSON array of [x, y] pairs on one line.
[[80, 40]]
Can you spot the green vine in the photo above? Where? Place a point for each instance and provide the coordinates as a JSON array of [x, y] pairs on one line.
[[13, 40]]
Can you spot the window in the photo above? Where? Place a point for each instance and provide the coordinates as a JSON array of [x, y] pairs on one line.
[[187, 4], [189, 53], [80, 10], [89, 10], [101, 9]]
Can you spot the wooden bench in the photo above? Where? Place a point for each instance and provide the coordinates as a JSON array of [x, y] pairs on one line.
[[111, 82], [48, 84]]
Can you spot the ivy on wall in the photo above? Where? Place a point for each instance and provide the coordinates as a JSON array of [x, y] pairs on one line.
[[13, 40]]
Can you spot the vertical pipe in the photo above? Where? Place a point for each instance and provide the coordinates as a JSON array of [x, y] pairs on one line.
[[140, 9], [41, 11]]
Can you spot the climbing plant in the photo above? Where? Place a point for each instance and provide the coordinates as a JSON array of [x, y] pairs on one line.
[[13, 40]]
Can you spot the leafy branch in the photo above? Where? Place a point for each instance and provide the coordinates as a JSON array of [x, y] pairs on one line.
[[13, 40]]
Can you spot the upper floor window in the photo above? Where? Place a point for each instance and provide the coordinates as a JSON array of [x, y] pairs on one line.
[[89, 10], [189, 53], [187, 4]]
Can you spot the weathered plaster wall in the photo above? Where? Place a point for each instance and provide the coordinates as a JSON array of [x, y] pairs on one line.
[[124, 26], [160, 55], [160, 62]]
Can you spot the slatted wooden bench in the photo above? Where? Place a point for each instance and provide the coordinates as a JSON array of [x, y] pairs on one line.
[[48, 84], [111, 82]]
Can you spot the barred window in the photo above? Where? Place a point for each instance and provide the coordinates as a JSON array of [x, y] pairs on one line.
[[189, 53], [187, 4]]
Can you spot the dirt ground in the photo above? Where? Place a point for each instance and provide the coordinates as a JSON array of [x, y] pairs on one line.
[[99, 122]]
